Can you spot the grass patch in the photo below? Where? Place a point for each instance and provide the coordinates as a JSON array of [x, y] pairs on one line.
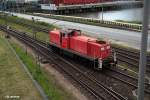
[[14, 19], [30, 31], [47, 82], [124, 47], [133, 22], [131, 70], [13, 78]]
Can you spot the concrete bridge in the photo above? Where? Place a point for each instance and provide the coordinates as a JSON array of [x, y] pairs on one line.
[[96, 5], [68, 9]]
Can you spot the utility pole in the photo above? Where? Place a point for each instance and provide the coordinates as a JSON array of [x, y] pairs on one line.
[[143, 53], [5, 14], [102, 11]]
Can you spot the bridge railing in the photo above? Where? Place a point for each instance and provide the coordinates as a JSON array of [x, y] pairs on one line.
[[97, 22]]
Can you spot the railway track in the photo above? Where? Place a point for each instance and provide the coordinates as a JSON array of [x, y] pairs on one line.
[[131, 58], [125, 78], [97, 89], [133, 83], [123, 54], [21, 22], [128, 57], [38, 28], [114, 73]]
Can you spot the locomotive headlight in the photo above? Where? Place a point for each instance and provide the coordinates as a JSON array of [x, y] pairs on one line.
[[108, 47], [102, 49]]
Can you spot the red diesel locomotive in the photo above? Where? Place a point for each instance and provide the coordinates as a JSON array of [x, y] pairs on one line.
[[91, 49]]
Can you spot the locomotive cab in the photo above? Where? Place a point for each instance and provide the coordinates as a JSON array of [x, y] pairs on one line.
[[65, 36], [102, 53]]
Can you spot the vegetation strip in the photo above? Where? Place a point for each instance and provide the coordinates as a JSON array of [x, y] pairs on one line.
[[132, 22], [29, 74], [14, 80], [46, 81], [53, 92], [27, 26]]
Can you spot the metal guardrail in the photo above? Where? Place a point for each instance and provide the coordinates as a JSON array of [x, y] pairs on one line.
[[97, 22]]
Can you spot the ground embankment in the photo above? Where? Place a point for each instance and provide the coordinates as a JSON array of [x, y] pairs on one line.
[[14, 81]]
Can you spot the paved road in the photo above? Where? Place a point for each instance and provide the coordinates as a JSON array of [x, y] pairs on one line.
[[123, 37]]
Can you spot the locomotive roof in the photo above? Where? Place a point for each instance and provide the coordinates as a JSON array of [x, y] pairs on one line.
[[68, 31]]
